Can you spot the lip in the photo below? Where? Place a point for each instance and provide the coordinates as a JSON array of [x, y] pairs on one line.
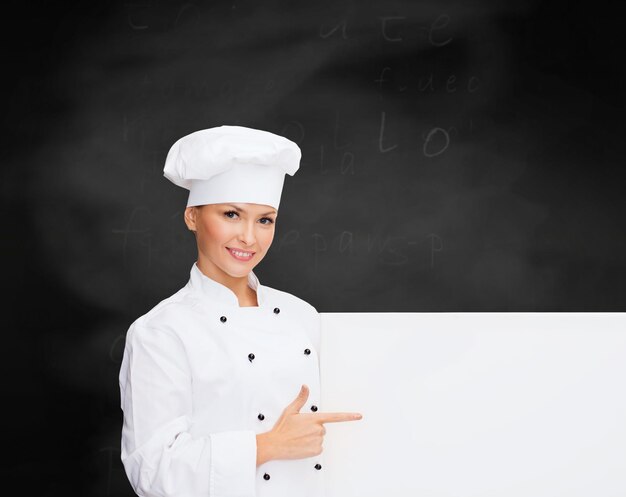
[[239, 250]]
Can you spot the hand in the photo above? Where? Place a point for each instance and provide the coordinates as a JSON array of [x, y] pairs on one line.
[[297, 435]]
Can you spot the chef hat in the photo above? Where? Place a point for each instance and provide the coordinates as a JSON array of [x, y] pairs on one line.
[[232, 164]]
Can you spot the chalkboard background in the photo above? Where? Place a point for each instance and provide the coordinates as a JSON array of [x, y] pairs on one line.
[[457, 156]]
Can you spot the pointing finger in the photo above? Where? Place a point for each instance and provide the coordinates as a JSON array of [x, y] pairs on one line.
[[337, 417]]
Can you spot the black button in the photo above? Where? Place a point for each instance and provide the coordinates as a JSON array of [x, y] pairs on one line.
[[261, 417], [223, 319], [313, 408], [250, 356], [307, 351], [318, 466], [266, 476], [276, 310]]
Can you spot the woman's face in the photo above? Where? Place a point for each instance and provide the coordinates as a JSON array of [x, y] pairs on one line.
[[232, 237]]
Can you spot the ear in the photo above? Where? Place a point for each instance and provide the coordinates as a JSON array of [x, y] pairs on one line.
[[190, 218]]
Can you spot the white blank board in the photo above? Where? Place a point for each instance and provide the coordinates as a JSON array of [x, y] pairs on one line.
[[475, 404]]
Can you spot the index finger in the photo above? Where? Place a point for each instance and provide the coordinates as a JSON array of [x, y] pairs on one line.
[[337, 417]]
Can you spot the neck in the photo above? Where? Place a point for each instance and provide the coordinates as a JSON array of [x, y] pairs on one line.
[[237, 284]]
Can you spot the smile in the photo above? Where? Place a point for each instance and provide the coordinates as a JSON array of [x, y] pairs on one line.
[[240, 255]]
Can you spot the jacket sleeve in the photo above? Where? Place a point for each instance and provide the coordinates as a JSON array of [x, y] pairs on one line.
[[160, 456]]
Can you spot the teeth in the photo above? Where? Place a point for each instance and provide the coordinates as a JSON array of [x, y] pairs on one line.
[[241, 254]]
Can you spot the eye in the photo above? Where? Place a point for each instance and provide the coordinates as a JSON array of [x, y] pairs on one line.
[[228, 215]]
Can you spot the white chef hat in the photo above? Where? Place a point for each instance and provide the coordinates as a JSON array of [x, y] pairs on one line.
[[232, 164]]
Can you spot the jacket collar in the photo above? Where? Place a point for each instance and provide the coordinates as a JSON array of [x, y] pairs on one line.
[[218, 293]]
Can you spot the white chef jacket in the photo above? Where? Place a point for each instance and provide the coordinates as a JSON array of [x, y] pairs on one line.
[[201, 376]]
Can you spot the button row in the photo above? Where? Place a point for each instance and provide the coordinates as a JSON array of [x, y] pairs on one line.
[[318, 466], [223, 319], [251, 356], [261, 416]]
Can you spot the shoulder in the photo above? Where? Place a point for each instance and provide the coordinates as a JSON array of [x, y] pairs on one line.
[[168, 315], [291, 301]]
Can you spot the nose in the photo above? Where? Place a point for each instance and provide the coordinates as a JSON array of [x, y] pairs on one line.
[[246, 235]]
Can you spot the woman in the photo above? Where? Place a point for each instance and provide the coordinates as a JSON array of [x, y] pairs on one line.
[[219, 383]]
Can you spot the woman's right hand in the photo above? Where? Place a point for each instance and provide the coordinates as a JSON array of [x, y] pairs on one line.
[[297, 435]]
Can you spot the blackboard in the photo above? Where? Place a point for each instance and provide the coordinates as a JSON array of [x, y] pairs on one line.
[[456, 158]]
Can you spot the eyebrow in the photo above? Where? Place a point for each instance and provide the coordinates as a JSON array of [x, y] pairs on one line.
[[243, 210]]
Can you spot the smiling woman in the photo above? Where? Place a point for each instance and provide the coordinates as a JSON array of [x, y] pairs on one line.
[[214, 377], [232, 239]]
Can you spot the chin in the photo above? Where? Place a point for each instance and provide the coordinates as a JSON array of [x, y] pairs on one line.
[[238, 273], [237, 270]]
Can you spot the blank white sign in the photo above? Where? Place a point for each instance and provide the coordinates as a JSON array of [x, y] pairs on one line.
[[475, 404]]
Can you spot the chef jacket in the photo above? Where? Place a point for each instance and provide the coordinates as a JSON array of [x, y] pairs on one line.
[[201, 376]]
